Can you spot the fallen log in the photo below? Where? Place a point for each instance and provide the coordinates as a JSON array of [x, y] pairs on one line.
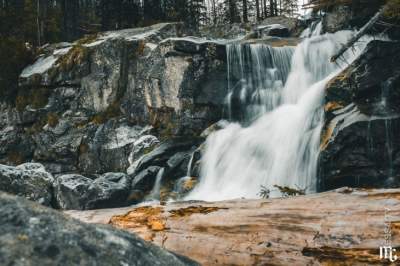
[[359, 34], [342, 227]]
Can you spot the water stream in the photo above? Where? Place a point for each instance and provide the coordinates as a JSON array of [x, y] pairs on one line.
[[279, 92]]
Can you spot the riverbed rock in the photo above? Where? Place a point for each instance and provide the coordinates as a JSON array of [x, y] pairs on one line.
[[359, 143], [28, 180], [342, 227], [81, 193], [34, 235]]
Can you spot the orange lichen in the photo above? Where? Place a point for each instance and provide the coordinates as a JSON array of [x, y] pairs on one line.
[[332, 106], [326, 137], [142, 217]]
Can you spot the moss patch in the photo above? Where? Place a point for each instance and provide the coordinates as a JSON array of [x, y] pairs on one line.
[[76, 56], [112, 111], [35, 97], [52, 119]]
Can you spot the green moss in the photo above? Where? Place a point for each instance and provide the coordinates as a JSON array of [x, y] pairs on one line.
[[35, 97], [52, 119], [89, 38], [163, 121], [392, 9], [83, 148], [15, 157]]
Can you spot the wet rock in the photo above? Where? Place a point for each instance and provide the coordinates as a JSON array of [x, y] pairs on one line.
[[28, 180], [144, 180], [359, 147], [142, 146], [82, 193], [33, 235], [160, 155], [143, 183]]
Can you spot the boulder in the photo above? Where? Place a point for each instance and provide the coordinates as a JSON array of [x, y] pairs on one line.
[[359, 144], [34, 235], [82, 193], [28, 180]]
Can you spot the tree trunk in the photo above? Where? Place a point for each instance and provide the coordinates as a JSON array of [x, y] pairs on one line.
[[271, 8], [359, 34], [232, 11], [258, 9], [245, 17], [342, 227]]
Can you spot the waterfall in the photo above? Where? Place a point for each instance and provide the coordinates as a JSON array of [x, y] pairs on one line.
[[280, 93], [256, 74], [155, 192]]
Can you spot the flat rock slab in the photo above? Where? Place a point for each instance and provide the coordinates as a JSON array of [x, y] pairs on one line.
[[341, 227]]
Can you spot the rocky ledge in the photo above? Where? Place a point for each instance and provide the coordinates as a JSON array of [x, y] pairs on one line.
[[35, 235], [360, 147], [342, 227]]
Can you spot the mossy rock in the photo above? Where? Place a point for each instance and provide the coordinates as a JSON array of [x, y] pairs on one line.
[[35, 97], [76, 56], [52, 119], [112, 111]]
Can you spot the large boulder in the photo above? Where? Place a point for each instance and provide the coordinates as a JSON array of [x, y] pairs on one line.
[[81, 193], [28, 180], [34, 235], [359, 143]]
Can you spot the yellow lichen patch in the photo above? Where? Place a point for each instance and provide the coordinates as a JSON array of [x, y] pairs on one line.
[[22, 237], [147, 217], [193, 210], [326, 137], [332, 106]]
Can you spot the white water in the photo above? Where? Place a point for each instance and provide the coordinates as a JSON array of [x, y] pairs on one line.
[[281, 144]]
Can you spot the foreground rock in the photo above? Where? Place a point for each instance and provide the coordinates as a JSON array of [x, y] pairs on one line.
[[34, 235], [360, 147], [343, 227], [28, 180]]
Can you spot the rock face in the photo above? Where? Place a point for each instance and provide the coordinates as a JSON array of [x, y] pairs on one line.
[[360, 147], [343, 227], [28, 180], [33, 235], [82, 106]]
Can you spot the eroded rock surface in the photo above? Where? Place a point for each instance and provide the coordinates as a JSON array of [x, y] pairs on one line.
[[34, 235]]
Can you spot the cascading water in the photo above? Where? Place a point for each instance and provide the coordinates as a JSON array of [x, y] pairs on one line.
[[280, 143]]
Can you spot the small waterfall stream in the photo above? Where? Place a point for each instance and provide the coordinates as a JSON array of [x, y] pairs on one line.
[[279, 92]]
